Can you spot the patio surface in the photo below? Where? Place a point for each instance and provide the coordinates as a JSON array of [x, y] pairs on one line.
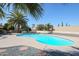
[[13, 45]]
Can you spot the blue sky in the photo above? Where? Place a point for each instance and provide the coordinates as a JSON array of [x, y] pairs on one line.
[[57, 13]]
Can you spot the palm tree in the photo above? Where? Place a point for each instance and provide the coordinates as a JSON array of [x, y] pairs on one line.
[[33, 9], [18, 20]]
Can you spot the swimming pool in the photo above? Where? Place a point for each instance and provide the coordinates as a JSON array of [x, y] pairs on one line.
[[49, 40]]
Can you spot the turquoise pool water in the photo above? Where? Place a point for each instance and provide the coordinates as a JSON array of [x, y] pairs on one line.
[[49, 40]]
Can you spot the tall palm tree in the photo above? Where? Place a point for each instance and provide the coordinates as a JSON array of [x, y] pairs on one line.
[[33, 9], [18, 20]]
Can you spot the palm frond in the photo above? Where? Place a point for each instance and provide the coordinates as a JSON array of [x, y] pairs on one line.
[[2, 14], [33, 9]]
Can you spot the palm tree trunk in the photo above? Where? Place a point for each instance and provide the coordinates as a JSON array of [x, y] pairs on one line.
[[18, 28]]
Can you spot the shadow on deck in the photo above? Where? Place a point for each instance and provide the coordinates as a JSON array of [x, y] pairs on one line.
[[31, 51]]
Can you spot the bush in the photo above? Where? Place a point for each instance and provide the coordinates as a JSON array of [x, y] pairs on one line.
[[8, 27], [1, 31]]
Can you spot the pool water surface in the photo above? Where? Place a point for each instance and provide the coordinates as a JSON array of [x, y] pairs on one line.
[[49, 40]]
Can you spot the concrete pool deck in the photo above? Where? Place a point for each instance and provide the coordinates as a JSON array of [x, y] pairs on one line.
[[13, 40]]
